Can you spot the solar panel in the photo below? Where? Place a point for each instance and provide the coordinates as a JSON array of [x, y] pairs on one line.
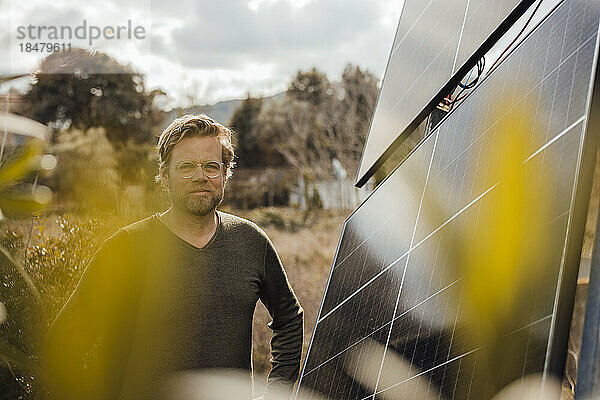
[[436, 43], [400, 317]]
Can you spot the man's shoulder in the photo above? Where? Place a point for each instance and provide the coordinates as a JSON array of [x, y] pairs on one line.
[[241, 226], [142, 226], [143, 237], [136, 231]]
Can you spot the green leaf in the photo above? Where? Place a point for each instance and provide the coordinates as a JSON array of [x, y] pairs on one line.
[[26, 202], [23, 165]]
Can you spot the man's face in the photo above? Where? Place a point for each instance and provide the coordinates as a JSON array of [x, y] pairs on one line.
[[197, 195]]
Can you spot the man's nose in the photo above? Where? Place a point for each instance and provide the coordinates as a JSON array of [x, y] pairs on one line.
[[199, 175]]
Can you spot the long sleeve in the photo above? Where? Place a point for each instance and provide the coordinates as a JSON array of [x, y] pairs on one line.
[[287, 324]]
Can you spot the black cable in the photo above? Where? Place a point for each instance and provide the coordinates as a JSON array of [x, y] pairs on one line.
[[448, 101], [480, 68], [516, 37], [471, 85]]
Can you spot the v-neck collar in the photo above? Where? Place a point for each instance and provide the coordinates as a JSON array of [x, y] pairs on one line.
[[179, 238]]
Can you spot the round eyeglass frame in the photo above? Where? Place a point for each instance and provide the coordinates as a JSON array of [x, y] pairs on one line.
[[196, 166]]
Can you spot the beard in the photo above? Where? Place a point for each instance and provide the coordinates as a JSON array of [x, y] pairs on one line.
[[199, 204]]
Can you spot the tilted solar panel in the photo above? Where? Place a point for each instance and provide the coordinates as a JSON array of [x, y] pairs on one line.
[[453, 278], [434, 46]]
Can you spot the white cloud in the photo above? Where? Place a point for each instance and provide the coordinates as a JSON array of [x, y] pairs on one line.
[[227, 48]]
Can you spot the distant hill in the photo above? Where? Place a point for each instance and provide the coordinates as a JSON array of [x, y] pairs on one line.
[[221, 111]]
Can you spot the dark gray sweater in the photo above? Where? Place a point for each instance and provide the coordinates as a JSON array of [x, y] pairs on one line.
[[151, 304]]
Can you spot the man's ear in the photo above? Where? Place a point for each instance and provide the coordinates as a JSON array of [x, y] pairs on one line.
[[225, 179], [164, 180]]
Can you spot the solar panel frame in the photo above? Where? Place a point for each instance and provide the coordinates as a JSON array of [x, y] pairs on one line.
[[559, 325], [364, 173], [559, 337]]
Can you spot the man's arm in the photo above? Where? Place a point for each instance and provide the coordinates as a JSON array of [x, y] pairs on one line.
[[287, 324]]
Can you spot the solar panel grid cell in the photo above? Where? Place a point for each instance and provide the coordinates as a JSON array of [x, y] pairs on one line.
[[371, 308]]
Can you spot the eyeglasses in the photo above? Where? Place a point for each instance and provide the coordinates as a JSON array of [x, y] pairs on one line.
[[187, 169]]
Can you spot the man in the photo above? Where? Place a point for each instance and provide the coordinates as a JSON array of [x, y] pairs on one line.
[[176, 292]]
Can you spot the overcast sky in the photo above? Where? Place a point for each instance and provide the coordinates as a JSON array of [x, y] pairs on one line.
[[206, 51]]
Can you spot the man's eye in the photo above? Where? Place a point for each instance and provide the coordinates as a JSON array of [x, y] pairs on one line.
[[212, 167], [186, 167]]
